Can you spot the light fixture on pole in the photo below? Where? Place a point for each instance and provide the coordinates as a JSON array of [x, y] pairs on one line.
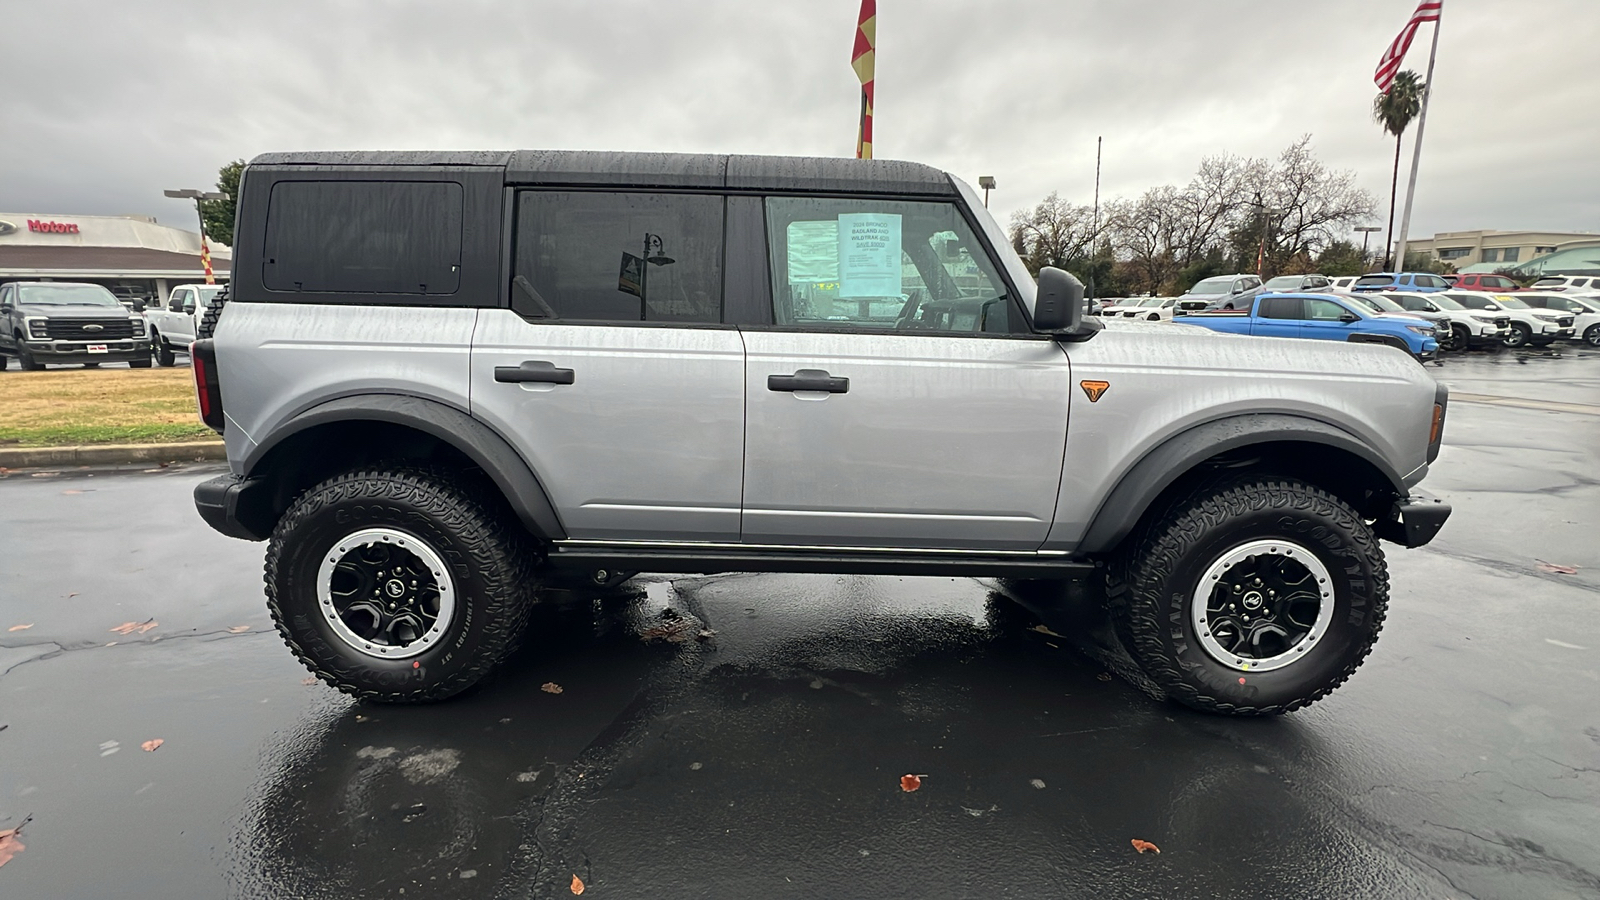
[[987, 183], [652, 244], [198, 197], [1366, 232]]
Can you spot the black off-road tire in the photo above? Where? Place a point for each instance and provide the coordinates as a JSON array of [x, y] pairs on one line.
[[213, 313], [1151, 585], [25, 359], [492, 562], [162, 351]]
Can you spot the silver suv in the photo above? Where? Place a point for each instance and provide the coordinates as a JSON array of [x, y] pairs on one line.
[[445, 378]]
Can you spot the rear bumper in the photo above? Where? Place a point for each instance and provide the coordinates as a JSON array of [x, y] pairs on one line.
[[1414, 521], [234, 506]]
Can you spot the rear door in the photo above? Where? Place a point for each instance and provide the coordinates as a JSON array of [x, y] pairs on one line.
[[1277, 317], [897, 400], [612, 372]]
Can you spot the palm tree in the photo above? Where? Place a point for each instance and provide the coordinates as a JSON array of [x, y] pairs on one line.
[[1394, 109]]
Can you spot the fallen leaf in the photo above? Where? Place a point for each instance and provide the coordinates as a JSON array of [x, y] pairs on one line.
[[20, 627], [1142, 846], [72, 492], [9, 844], [239, 629], [309, 681], [140, 627], [1555, 569], [151, 745], [577, 884], [1043, 630], [550, 687], [71, 595], [909, 783], [705, 634]]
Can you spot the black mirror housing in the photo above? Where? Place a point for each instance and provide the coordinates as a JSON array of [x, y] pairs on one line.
[[1058, 307]]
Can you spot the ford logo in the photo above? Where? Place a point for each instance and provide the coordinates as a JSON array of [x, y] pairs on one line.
[[93, 327]]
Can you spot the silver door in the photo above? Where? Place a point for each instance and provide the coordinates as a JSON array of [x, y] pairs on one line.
[[645, 442], [951, 442]]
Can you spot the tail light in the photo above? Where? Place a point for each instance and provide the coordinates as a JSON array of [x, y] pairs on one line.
[[207, 389]]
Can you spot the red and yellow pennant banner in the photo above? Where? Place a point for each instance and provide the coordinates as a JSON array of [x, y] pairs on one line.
[[205, 259], [862, 59]]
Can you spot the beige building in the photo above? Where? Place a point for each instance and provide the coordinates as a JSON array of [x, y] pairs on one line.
[[131, 255], [1492, 248]]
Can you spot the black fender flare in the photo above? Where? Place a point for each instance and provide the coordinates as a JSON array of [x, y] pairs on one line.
[[475, 440], [1176, 456], [1388, 340]]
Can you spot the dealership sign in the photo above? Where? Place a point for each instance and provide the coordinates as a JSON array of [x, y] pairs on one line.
[[52, 227]]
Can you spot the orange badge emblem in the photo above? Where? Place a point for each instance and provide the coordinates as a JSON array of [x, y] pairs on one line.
[[1094, 389]]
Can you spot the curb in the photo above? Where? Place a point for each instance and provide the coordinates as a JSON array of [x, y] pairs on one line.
[[108, 454]]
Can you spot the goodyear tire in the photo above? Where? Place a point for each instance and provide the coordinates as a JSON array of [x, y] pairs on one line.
[[396, 584], [1255, 597]]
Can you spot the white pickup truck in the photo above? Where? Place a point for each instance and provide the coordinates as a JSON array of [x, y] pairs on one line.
[[172, 326]]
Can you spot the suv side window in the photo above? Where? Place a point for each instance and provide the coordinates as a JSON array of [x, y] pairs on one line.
[[363, 237], [616, 256], [882, 265]]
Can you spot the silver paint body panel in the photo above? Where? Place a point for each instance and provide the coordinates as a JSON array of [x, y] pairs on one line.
[[277, 360], [941, 441], [648, 440]]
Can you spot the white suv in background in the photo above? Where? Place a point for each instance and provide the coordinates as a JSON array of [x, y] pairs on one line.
[[1585, 309], [1151, 309], [1538, 327], [1467, 326]]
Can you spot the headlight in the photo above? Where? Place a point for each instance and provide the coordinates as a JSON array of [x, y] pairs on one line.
[[1420, 329], [39, 329], [138, 327], [1487, 320], [1547, 317]]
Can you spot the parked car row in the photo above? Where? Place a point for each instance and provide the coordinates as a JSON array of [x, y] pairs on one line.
[[58, 323]]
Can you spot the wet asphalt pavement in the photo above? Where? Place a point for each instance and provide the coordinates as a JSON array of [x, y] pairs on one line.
[[1463, 759]]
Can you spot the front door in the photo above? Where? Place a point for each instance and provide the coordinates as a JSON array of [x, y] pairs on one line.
[[1328, 321], [897, 401], [612, 373]]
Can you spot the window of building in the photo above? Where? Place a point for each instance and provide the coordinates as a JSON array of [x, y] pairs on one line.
[[1540, 251], [1491, 255], [882, 265], [1510, 254], [1455, 252], [618, 256], [365, 237]]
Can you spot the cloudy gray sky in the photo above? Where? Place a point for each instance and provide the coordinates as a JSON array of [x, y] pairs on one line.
[[104, 104]]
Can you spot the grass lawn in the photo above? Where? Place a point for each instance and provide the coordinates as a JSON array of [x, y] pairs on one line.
[[98, 406]]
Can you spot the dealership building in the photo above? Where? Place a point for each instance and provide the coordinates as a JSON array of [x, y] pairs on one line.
[[131, 255]]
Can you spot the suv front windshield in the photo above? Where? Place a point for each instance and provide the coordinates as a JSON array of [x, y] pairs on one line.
[[1284, 283], [1444, 302], [1213, 286], [1472, 301], [66, 295], [1511, 302], [1377, 303]]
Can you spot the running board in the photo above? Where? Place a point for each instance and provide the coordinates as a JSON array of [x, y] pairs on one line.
[[713, 559]]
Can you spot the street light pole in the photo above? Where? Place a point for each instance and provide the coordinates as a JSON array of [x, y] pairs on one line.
[[987, 183], [1366, 232], [199, 212]]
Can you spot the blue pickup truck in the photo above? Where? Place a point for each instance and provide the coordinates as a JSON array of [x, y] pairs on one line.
[[1327, 317]]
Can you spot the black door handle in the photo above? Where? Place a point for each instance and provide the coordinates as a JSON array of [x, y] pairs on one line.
[[535, 370], [809, 380]]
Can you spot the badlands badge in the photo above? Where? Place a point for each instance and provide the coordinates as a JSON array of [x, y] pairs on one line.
[[1094, 389]]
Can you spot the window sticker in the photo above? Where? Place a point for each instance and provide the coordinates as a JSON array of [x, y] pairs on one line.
[[869, 255]]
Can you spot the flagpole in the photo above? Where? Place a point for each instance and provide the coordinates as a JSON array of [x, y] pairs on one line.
[[1416, 153], [861, 125]]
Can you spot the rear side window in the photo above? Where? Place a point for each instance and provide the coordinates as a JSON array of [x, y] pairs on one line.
[[613, 256], [1373, 279], [363, 237], [1280, 308]]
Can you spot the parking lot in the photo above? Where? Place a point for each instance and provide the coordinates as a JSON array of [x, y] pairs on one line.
[[1463, 759]]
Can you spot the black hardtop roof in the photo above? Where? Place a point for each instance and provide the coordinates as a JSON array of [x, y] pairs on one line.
[[660, 170]]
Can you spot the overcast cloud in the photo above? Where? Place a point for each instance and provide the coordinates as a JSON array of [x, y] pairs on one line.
[[102, 105]]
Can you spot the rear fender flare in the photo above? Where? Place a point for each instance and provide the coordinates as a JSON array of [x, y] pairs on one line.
[[471, 437], [1175, 457]]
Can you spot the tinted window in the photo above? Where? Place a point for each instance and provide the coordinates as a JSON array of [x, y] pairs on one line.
[[1321, 310], [365, 237], [1374, 279], [621, 257], [881, 264], [1280, 308], [1471, 301]]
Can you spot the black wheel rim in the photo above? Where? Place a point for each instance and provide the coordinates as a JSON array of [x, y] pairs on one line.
[[385, 593], [1262, 605]]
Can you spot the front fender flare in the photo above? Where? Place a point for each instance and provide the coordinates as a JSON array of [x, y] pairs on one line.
[[1168, 461], [475, 440]]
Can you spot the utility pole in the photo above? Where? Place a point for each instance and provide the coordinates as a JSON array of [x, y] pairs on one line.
[[1094, 237]]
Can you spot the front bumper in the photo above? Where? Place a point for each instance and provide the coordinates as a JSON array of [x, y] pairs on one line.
[[78, 351], [1414, 521], [234, 506]]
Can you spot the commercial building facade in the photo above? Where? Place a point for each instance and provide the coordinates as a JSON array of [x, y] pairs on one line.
[[1494, 249], [132, 255]]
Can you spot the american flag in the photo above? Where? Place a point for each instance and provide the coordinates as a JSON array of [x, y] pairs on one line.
[[1427, 11]]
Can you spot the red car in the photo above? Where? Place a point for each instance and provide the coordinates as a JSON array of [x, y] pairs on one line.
[[1498, 284]]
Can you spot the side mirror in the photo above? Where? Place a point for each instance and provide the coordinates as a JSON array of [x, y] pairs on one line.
[[188, 307], [1058, 307], [1349, 317], [138, 306]]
